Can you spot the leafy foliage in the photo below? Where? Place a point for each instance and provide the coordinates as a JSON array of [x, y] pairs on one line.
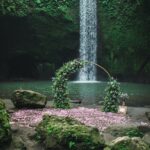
[[111, 100], [59, 88], [125, 131], [134, 132], [25, 7], [5, 133], [125, 34]]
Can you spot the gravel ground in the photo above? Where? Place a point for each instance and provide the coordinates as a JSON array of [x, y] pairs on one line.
[[91, 116]]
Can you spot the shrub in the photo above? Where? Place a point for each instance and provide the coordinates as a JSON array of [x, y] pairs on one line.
[[111, 100], [59, 87]]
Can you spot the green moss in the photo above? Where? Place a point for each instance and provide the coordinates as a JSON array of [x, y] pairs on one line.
[[125, 131], [122, 146], [66, 133], [5, 132], [133, 132], [28, 99]]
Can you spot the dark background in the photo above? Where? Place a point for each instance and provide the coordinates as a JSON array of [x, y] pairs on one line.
[[38, 36]]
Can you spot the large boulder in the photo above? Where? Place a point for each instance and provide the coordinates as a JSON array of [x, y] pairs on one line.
[[5, 130], [28, 99], [127, 143], [113, 132], [64, 133]]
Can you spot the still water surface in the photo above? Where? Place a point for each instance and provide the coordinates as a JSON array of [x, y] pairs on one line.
[[89, 93]]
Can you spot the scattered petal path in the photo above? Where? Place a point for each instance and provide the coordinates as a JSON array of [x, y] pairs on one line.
[[89, 116]]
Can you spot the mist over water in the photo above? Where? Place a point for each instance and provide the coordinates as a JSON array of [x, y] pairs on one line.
[[88, 38]]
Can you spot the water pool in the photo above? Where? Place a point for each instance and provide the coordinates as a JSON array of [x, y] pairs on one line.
[[89, 93]]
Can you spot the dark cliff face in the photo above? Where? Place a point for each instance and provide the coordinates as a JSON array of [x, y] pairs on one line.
[[33, 41]]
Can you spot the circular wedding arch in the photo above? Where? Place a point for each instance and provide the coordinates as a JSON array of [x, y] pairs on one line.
[[59, 86]]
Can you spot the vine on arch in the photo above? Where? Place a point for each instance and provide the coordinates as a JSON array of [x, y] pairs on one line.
[[112, 96], [61, 95], [59, 88]]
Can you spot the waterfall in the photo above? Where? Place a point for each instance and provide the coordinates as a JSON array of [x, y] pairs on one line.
[[88, 38]]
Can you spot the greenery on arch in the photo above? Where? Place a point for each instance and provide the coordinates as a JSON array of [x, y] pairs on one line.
[[111, 99], [59, 87]]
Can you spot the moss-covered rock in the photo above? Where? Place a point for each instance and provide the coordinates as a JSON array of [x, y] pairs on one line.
[[5, 130], [127, 143], [28, 99], [118, 131], [63, 133]]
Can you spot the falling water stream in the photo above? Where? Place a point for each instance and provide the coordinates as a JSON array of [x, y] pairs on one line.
[[88, 38]]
